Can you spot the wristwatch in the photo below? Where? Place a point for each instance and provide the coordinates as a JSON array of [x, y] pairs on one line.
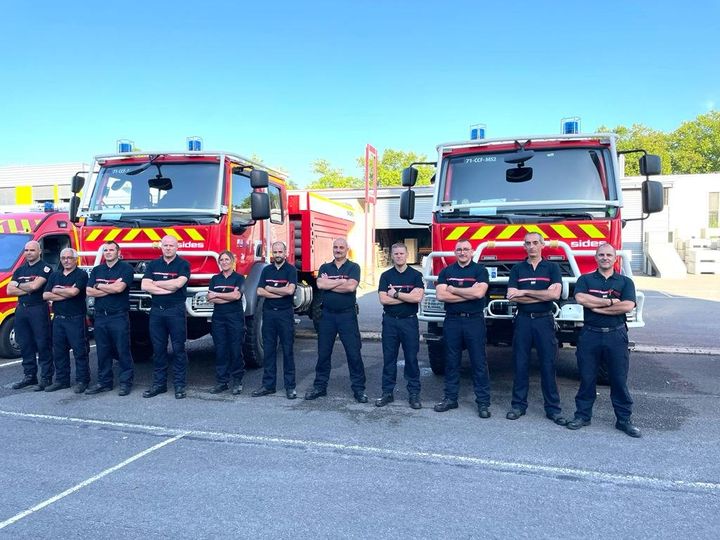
[[397, 293]]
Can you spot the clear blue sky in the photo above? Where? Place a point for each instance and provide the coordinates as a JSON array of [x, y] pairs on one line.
[[292, 82]]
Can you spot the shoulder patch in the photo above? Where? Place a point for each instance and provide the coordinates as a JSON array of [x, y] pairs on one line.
[[46, 269]]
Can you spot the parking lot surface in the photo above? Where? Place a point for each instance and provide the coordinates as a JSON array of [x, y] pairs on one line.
[[220, 466]]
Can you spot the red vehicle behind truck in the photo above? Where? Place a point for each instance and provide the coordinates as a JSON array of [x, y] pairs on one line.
[[494, 191], [210, 201], [54, 232]]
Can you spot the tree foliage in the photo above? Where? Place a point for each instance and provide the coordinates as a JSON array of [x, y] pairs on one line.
[[330, 177], [692, 148]]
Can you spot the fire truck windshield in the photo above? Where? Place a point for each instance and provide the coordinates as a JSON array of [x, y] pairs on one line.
[[163, 190], [11, 246], [575, 181]]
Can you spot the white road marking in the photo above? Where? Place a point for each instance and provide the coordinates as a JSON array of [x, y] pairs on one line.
[[89, 481], [660, 349], [636, 480], [14, 363]]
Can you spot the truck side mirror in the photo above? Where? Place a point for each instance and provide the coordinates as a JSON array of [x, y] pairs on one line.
[[259, 179], [407, 204], [77, 183], [74, 206], [260, 205], [409, 177], [652, 196], [650, 165]]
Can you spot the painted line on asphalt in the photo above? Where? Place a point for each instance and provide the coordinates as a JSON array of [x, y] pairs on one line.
[[89, 481], [14, 363], [516, 467], [711, 351]]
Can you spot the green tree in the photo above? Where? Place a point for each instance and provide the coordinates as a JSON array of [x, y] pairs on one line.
[[331, 177], [639, 136], [695, 145], [391, 164]]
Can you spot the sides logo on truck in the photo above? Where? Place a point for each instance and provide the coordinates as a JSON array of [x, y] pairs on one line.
[[186, 237]]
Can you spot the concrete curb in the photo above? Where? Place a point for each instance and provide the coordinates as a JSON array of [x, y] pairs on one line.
[[653, 349]]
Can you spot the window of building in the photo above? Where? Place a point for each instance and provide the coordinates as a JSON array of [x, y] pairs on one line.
[[713, 204]]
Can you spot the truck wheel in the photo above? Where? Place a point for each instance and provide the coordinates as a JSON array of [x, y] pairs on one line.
[[9, 347], [316, 309], [253, 346], [436, 354]]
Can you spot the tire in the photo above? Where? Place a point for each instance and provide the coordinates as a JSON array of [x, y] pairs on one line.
[[253, 347], [9, 347], [436, 355], [316, 309]]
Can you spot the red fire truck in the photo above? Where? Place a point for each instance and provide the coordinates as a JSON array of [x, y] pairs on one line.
[[210, 201], [54, 232], [494, 191]]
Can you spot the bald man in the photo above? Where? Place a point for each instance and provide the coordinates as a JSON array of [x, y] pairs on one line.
[[32, 318], [166, 280]]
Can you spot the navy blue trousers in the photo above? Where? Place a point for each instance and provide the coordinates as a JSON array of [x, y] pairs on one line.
[[69, 332], [228, 333], [592, 347], [169, 323], [32, 331], [112, 339], [397, 332], [278, 325], [346, 326], [538, 333], [470, 332]]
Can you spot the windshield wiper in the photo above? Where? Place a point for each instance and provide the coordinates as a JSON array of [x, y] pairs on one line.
[[567, 215]]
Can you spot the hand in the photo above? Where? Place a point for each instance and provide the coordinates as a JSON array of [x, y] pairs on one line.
[[391, 291]]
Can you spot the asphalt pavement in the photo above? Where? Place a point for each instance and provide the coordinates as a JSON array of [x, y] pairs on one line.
[[75, 466]]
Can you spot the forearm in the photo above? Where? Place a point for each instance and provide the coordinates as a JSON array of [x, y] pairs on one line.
[[95, 293], [346, 287], [14, 290], [618, 308], [413, 297], [52, 297], [325, 284], [589, 301], [69, 292]]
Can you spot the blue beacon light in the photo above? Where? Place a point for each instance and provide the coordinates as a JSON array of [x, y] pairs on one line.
[[124, 146], [477, 131], [194, 144], [570, 125]]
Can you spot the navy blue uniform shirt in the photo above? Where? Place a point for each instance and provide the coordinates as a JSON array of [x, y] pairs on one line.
[[221, 284], [278, 277], [159, 270], [464, 278], [617, 286], [102, 273], [403, 282], [27, 273], [70, 306], [340, 301], [524, 277]]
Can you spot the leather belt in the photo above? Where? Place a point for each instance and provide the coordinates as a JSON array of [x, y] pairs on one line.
[[399, 316], [338, 311], [604, 329], [465, 314], [107, 313], [533, 315]]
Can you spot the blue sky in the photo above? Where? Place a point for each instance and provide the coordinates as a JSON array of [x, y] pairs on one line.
[[292, 82]]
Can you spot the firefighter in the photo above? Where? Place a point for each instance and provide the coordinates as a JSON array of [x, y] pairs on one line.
[[109, 284], [66, 290], [277, 286], [462, 286], [32, 318], [166, 280], [228, 325], [606, 296], [534, 284], [339, 281], [400, 290]]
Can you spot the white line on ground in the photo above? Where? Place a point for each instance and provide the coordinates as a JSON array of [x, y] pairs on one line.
[[89, 481], [637, 480], [14, 363]]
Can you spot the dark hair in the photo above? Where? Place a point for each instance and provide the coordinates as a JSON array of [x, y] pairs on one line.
[[108, 242]]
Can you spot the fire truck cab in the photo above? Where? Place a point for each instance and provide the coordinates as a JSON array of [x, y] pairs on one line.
[[494, 191], [54, 232]]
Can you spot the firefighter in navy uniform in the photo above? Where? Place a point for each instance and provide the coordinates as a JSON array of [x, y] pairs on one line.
[[66, 290], [228, 325], [166, 280], [32, 318], [607, 297], [109, 284], [462, 286], [277, 286], [534, 284], [339, 281], [400, 290]]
